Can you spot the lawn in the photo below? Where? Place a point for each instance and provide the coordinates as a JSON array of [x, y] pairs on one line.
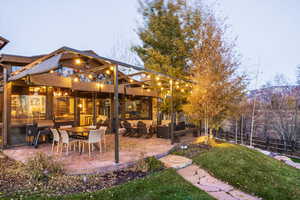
[[164, 185], [251, 171], [297, 160]]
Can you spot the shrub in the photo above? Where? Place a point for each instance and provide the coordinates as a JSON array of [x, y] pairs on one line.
[[41, 167], [150, 164], [154, 164]]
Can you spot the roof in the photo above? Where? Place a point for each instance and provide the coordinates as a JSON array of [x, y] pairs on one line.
[[3, 42], [89, 54]]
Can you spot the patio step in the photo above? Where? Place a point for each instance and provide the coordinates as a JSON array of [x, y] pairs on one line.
[[176, 162]]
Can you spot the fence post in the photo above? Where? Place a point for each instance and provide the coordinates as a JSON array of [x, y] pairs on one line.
[[267, 143]]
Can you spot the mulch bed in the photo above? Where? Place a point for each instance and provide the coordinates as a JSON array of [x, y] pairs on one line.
[[16, 183], [190, 150]]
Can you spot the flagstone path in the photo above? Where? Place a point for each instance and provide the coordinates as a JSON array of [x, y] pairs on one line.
[[203, 180]]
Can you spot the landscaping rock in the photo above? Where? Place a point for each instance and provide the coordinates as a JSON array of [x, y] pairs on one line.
[[293, 164], [176, 162], [282, 158]]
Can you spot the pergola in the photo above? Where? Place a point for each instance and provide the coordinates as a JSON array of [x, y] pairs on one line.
[[93, 73]]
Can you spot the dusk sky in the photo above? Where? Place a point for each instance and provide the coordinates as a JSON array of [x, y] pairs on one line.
[[268, 31]]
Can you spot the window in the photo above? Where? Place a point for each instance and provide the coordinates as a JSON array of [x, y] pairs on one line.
[[102, 109], [15, 68], [27, 108], [64, 108], [86, 111], [137, 108]]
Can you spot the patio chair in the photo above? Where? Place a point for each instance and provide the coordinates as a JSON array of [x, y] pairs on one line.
[[141, 129], [95, 137], [103, 132], [66, 141], [56, 139], [129, 130], [151, 131]]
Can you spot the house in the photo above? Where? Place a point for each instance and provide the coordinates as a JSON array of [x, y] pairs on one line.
[[80, 88]]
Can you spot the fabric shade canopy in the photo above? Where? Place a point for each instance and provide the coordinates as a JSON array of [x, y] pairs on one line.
[[44, 66]]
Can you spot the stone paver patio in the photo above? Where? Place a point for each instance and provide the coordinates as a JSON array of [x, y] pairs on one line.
[[131, 149]]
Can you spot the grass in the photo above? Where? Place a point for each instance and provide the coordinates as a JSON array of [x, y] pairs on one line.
[[164, 185], [251, 171], [297, 160]]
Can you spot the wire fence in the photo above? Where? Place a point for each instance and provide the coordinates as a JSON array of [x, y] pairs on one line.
[[291, 148]]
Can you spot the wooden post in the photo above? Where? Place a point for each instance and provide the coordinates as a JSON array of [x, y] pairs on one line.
[[116, 113], [76, 109], [49, 103], [94, 109], [172, 113], [5, 106], [7, 86]]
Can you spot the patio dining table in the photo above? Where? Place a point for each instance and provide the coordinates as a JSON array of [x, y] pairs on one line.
[[78, 130]]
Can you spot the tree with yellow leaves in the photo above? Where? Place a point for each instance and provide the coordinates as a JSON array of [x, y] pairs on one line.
[[218, 87]]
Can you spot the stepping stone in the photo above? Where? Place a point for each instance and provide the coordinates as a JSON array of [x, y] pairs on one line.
[[176, 162], [213, 182], [222, 195], [241, 195], [216, 188]]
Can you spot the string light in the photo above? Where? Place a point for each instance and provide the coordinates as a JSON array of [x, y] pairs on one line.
[[159, 83], [66, 94], [51, 71], [107, 72], [177, 86], [90, 76], [186, 85], [100, 85], [148, 76], [76, 79], [77, 61], [182, 90], [131, 81], [162, 89], [111, 68], [148, 90], [176, 82], [143, 86], [157, 78]]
